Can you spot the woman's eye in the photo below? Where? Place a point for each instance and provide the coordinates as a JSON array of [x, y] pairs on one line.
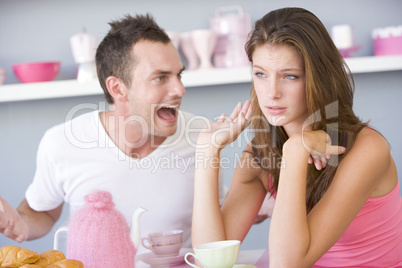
[[259, 74], [291, 77]]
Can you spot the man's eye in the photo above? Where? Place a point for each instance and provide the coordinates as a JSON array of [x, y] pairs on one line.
[[159, 79]]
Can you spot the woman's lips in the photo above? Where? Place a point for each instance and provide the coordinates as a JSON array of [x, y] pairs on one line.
[[276, 110]]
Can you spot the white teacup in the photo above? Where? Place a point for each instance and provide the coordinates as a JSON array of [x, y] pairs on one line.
[[163, 244], [220, 254]]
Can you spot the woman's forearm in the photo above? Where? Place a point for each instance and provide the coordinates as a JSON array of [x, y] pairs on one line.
[[207, 223], [289, 235]]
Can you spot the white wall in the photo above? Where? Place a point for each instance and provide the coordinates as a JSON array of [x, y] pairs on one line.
[[37, 30]]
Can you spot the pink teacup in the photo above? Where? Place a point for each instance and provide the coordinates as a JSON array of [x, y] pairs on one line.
[[167, 243]]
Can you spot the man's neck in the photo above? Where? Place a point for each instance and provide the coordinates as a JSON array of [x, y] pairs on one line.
[[130, 140]]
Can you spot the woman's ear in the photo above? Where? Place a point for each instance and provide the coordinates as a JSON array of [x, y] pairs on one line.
[[117, 89]]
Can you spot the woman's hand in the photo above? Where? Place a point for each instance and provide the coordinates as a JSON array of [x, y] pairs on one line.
[[226, 130], [319, 145]]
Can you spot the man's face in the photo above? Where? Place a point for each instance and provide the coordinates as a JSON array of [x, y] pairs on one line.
[[156, 89]]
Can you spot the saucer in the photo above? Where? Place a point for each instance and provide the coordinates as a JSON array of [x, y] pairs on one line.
[[157, 261]]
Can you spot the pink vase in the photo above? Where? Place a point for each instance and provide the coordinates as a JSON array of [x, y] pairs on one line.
[[186, 45], [175, 38], [204, 42]]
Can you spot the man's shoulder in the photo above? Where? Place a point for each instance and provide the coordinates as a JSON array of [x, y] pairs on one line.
[[71, 126]]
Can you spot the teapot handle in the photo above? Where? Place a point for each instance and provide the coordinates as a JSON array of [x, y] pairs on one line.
[[56, 237]]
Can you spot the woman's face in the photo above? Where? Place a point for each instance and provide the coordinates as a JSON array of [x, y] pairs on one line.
[[279, 82]]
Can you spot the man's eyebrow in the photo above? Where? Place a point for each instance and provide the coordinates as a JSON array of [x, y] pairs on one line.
[[159, 71]]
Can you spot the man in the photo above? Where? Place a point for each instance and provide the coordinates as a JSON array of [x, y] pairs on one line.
[[140, 150]]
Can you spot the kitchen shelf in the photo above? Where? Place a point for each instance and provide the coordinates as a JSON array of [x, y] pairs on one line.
[[209, 77]]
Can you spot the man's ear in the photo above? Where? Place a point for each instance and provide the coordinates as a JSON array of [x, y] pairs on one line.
[[117, 89]]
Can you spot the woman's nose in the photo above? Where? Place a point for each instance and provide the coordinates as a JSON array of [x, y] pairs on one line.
[[274, 90]]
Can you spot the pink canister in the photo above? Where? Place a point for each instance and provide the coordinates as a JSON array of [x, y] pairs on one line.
[[232, 27], [387, 41]]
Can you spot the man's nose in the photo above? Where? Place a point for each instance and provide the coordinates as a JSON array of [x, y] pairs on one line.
[[177, 89]]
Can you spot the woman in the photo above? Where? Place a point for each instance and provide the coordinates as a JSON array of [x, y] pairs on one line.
[[336, 186]]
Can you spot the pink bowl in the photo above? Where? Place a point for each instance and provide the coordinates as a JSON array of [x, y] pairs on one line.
[[36, 71]]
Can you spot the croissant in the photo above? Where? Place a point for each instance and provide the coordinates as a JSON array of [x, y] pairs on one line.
[[49, 257], [30, 266], [14, 256], [67, 263]]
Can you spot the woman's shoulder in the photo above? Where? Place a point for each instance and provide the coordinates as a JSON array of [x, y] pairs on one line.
[[376, 158], [371, 139], [369, 147], [370, 159]]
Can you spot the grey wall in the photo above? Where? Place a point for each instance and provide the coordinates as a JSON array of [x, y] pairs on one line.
[[38, 30]]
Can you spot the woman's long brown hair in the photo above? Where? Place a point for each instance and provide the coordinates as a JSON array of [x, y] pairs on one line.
[[329, 94]]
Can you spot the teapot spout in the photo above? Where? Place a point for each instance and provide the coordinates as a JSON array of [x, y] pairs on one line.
[[135, 226]]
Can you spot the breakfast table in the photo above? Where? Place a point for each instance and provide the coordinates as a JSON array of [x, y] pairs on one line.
[[257, 257]]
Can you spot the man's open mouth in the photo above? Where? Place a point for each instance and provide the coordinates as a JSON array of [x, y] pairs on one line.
[[168, 112]]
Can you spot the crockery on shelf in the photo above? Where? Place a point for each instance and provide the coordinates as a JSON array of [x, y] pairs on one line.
[[232, 26], [2, 75], [204, 41], [387, 40], [36, 71], [187, 47]]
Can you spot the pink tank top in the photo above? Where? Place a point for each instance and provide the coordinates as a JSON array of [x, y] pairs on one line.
[[373, 239]]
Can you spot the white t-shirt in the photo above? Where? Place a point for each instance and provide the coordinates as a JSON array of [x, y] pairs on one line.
[[78, 157]]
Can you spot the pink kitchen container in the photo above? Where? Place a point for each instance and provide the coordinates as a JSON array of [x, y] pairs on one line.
[[387, 41], [232, 26], [36, 71]]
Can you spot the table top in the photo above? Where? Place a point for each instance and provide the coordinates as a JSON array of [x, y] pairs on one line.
[[249, 256], [245, 257]]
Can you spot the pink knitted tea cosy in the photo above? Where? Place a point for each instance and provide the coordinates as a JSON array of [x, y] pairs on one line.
[[98, 235]]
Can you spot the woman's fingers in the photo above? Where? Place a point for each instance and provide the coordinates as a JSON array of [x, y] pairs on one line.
[[318, 163], [241, 111], [235, 112], [335, 150], [222, 118], [246, 110], [226, 129]]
